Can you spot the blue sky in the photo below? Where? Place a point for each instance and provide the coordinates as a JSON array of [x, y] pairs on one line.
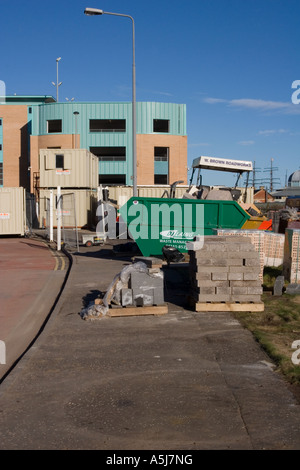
[[232, 62]]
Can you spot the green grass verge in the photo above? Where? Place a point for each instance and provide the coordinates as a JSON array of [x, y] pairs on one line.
[[277, 327]]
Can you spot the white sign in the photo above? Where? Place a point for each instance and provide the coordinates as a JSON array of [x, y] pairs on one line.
[[2, 353], [212, 163], [4, 215], [177, 234], [63, 172]]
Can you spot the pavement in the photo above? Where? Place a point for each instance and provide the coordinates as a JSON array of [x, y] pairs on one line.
[[182, 381]]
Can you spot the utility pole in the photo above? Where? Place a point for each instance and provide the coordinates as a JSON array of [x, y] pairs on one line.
[[254, 172], [272, 180]]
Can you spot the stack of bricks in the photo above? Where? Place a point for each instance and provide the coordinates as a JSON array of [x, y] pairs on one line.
[[273, 248], [291, 263], [225, 270], [257, 239]]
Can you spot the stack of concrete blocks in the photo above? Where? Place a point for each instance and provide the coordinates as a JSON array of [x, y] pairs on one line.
[[274, 248], [257, 239], [291, 263], [144, 289], [225, 270]]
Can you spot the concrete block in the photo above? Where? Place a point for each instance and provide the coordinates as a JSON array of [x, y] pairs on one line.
[[251, 276], [222, 298], [251, 262], [255, 290], [235, 276], [278, 285], [158, 296], [210, 269], [138, 280], [245, 298], [219, 276], [202, 276], [293, 289], [126, 297], [245, 247], [211, 283], [207, 290], [212, 298], [234, 261], [251, 254], [239, 290], [255, 283], [223, 291]]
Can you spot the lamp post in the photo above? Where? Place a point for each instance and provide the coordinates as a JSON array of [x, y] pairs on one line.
[[76, 113], [57, 84], [96, 11]]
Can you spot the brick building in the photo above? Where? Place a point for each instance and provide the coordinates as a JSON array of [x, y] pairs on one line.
[[31, 123]]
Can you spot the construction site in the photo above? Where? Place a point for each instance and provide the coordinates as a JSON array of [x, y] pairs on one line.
[[129, 326]]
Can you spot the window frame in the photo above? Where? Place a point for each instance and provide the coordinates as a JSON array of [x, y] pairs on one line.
[[54, 131]]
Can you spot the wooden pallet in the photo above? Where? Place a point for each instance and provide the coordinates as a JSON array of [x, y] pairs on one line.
[[137, 311], [132, 311], [227, 306]]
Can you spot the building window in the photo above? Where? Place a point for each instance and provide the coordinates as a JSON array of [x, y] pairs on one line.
[[0, 147], [109, 154], [54, 126], [161, 154], [0, 122], [112, 179], [161, 179], [107, 125], [161, 125], [30, 110], [1, 174], [59, 161]]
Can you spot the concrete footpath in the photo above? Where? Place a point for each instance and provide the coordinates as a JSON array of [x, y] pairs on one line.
[[31, 277], [180, 381]]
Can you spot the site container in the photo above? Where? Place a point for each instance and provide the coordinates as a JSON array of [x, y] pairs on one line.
[[68, 168], [155, 222], [12, 211], [78, 210]]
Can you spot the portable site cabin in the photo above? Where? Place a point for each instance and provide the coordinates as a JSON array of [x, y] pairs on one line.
[[12, 211], [68, 168]]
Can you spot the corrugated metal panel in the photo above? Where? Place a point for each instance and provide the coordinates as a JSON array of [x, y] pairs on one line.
[[80, 169], [85, 207], [12, 211], [146, 112], [175, 113]]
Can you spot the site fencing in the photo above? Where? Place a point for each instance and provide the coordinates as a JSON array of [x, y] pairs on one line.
[[69, 221], [61, 220]]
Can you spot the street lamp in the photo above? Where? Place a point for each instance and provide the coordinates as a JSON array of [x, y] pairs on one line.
[[76, 113], [96, 11], [57, 84]]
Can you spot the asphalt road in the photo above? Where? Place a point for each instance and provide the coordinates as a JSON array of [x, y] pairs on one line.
[[182, 381]]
